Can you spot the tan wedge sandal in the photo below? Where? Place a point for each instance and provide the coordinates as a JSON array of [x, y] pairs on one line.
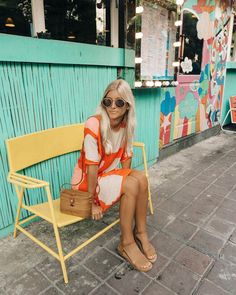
[[134, 256], [150, 252]]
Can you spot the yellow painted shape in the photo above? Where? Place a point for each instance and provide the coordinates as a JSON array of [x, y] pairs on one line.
[[30, 149]]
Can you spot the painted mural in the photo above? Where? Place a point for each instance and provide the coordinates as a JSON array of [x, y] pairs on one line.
[[194, 105]]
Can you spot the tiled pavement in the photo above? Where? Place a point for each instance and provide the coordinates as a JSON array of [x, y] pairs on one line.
[[193, 228]]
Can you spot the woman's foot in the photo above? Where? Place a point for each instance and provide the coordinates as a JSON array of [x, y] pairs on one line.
[[134, 256], [145, 246]]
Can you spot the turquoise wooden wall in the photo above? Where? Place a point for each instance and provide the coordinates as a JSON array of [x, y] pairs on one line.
[[48, 85]]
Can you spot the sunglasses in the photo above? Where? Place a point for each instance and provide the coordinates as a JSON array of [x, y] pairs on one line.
[[119, 102]]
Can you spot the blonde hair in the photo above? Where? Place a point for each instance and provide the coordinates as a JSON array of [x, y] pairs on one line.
[[124, 90]]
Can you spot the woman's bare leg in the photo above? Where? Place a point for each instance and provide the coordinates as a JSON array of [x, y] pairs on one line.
[[127, 209], [141, 215], [128, 248]]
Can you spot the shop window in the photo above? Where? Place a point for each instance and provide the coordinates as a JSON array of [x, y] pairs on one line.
[[15, 17], [191, 46], [85, 21], [156, 34]]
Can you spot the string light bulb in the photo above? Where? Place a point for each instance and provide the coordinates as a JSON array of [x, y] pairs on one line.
[[178, 23], [158, 83], [138, 60], [179, 2], [139, 9], [139, 35], [150, 83], [175, 64], [9, 23], [138, 84], [177, 44]]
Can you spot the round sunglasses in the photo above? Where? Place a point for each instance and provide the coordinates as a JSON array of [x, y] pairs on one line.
[[119, 102]]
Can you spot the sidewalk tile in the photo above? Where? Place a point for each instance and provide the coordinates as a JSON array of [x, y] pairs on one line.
[[233, 237], [223, 274], [79, 280], [226, 214], [219, 226], [229, 204], [157, 266], [128, 281], [232, 194], [159, 219], [207, 204], [178, 278], [156, 289], [229, 252], [183, 196], [171, 206], [165, 244], [193, 215], [103, 290], [193, 259], [208, 288], [180, 229], [52, 291], [32, 282], [206, 243], [18, 252], [226, 181], [103, 263], [51, 267], [216, 190]]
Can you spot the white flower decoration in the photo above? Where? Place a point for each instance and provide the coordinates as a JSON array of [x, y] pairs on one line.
[[186, 65], [205, 27]]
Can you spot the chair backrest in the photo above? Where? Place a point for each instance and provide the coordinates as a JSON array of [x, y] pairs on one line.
[[232, 103], [33, 148]]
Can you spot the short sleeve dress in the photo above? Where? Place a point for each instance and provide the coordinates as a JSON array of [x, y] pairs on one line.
[[110, 176]]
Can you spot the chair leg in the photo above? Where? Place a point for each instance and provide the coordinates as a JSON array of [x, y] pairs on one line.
[[60, 252], [146, 172], [57, 235], [20, 198]]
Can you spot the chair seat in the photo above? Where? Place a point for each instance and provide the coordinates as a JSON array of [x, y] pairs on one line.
[[43, 211]]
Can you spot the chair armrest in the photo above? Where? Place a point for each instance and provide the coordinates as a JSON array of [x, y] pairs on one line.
[[25, 181], [138, 144]]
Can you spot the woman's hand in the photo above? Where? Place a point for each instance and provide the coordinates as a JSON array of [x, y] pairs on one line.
[[96, 212]]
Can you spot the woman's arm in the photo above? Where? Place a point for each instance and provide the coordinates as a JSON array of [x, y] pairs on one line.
[[92, 172]]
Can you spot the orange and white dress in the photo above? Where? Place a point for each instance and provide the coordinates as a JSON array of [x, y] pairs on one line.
[[110, 176]]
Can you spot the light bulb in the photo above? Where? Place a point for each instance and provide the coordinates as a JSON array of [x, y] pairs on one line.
[[150, 83], [179, 2], [175, 64], [177, 44], [178, 23], [138, 60], [138, 84], [139, 9], [139, 35], [158, 83]]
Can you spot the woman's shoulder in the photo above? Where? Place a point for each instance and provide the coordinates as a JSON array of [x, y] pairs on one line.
[[93, 123]]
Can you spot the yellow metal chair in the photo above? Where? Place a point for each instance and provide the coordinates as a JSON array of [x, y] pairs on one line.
[[30, 149]]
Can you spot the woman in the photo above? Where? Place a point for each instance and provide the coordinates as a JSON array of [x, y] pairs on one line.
[[107, 143]]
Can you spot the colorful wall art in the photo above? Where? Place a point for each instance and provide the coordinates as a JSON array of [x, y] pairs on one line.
[[195, 104]]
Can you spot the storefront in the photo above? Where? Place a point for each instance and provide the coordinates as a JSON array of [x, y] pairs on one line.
[[56, 58]]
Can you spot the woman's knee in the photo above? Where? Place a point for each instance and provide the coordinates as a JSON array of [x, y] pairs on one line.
[[142, 179], [130, 186]]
